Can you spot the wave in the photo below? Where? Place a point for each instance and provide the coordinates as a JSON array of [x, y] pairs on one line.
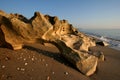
[[113, 43]]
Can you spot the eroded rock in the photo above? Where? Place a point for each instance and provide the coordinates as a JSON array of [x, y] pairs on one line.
[[16, 30], [83, 61]]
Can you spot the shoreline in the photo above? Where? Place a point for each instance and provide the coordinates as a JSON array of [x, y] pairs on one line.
[[113, 41]]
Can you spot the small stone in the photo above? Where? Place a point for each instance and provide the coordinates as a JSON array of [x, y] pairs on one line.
[[32, 59], [3, 66], [66, 73], [18, 68], [24, 59], [53, 72], [22, 69], [48, 78], [26, 64], [7, 58], [46, 65]]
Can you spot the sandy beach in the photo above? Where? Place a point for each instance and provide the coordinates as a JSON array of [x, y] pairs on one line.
[[109, 69], [44, 62]]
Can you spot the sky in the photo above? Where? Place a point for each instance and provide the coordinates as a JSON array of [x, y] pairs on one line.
[[88, 14]]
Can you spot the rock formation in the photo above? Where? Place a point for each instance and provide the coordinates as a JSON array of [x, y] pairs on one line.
[[102, 43], [16, 30]]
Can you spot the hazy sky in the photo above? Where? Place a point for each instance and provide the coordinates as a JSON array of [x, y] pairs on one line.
[[80, 13]]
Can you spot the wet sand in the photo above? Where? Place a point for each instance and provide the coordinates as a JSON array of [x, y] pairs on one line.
[[44, 62]]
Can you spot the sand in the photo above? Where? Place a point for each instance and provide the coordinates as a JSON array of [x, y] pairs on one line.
[[44, 62], [110, 68]]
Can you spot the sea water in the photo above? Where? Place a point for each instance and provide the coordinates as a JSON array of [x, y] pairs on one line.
[[111, 36]]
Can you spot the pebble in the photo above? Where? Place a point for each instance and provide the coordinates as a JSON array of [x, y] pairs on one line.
[[18, 68], [3, 66], [66, 73], [7, 58], [24, 59], [48, 78], [32, 59], [53, 72], [26, 64], [22, 69], [46, 65]]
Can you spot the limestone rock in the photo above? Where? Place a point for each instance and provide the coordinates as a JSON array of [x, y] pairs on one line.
[[102, 43], [10, 36], [40, 24], [77, 42], [16, 30], [84, 62], [3, 42], [2, 13]]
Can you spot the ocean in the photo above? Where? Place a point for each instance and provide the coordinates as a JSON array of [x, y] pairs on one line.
[[111, 36]]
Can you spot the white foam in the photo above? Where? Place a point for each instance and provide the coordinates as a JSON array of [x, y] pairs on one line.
[[104, 39], [112, 42]]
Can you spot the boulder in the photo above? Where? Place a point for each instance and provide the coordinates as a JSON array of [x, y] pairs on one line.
[[84, 62], [16, 30], [102, 43]]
